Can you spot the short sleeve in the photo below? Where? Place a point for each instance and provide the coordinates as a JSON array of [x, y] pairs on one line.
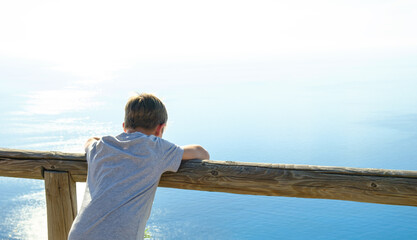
[[171, 156], [91, 151]]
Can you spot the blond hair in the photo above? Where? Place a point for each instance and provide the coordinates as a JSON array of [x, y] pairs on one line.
[[145, 111]]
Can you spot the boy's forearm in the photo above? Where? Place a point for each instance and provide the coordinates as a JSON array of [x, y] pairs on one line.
[[194, 152]]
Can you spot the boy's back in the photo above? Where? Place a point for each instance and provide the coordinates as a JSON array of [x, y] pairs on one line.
[[123, 175], [124, 171]]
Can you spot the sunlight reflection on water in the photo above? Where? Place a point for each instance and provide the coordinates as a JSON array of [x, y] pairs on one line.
[[53, 102], [26, 217]]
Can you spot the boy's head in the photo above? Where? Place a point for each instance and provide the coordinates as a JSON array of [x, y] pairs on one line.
[[145, 112]]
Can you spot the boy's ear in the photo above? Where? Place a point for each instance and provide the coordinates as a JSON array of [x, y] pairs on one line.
[[160, 130], [124, 129]]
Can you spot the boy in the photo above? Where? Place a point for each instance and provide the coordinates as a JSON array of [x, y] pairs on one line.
[[124, 172]]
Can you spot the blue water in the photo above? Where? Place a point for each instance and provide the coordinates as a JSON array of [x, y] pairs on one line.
[[335, 110]]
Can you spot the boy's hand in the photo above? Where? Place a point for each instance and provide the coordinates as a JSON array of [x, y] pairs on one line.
[[194, 152], [89, 142]]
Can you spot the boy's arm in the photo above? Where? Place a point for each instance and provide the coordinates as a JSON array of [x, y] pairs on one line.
[[194, 152], [89, 142]]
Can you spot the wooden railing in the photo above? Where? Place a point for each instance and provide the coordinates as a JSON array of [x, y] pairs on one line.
[[61, 170]]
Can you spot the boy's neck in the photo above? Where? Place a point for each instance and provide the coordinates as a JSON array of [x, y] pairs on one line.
[[158, 131], [144, 131]]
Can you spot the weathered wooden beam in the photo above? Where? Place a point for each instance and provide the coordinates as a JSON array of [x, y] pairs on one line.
[[398, 187], [354, 184], [32, 164], [33, 154], [61, 203], [34, 168]]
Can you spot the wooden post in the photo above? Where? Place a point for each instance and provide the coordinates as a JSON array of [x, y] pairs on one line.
[[61, 203]]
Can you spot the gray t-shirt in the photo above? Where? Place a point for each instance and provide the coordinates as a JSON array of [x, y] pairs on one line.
[[123, 174]]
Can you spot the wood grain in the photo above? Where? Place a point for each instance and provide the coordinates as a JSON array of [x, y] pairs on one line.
[[32, 154], [384, 186], [61, 203], [353, 184]]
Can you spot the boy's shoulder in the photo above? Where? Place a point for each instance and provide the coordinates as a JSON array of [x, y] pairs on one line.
[[129, 137], [135, 141]]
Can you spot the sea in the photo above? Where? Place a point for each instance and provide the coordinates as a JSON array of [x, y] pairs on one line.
[[350, 110]]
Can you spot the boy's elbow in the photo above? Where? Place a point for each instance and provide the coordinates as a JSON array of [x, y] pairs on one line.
[[195, 152], [203, 153]]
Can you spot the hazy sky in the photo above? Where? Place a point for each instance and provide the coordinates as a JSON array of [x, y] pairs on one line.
[[95, 38], [82, 43]]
